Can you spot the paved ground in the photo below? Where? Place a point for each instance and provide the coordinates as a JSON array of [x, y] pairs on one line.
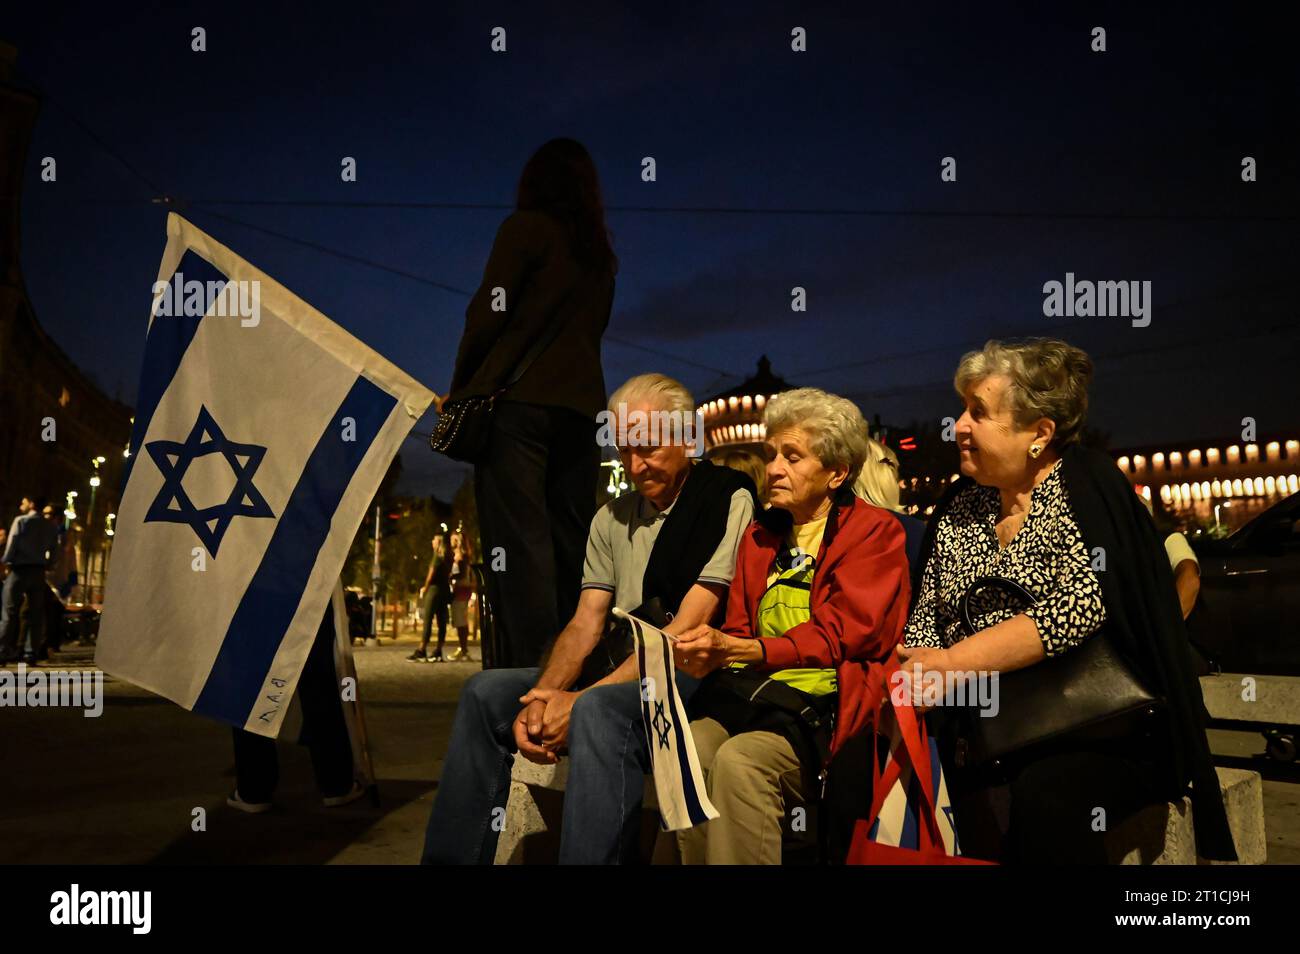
[[123, 788]]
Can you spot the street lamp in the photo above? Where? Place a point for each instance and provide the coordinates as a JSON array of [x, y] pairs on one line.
[[1226, 503], [90, 516]]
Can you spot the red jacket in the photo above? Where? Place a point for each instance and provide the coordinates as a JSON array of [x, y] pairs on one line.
[[860, 593]]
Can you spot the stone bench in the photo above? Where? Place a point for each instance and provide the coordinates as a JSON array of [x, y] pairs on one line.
[[1271, 700], [531, 834], [1160, 835]]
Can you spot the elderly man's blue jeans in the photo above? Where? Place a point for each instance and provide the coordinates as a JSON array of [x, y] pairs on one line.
[[602, 798]]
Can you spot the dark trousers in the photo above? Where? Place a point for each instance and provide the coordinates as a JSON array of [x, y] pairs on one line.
[[434, 607], [1045, 811], [28, 581], [536, 495], [324, 732]]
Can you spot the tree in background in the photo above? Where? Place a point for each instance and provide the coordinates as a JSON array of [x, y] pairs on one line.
[[464, 513], [407, 527]]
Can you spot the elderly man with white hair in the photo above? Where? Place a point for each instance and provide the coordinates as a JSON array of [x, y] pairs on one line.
[[669, 550]]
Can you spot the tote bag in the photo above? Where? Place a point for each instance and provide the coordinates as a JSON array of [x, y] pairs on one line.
[[911, 819]]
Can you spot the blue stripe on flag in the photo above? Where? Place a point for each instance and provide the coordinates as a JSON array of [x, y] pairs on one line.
[[273, 595], [646, 718], [936, 766], [694, 809], [936, 777], [911, 836], [164, 347]]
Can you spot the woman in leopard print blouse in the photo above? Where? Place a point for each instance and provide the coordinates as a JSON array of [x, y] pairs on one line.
[[1047, 557], [1025, 403]]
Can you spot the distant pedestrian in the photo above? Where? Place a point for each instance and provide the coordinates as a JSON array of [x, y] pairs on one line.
[[30, 546], [462, 588], [63, 562], [435, 595]]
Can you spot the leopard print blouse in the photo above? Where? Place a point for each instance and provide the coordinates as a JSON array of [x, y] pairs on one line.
[[1047, 557]]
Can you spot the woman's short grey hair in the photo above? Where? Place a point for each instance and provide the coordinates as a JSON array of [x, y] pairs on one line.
[[1049, 378], [836, 429], [659, 391], [878, 482]]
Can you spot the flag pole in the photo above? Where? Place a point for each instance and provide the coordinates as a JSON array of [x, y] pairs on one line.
[[357, 723]]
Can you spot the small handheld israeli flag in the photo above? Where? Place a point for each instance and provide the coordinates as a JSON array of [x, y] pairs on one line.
[[262, 431], [679, 783]]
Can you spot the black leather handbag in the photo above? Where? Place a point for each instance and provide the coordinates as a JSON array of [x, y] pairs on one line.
[[1087, 694], [465, 426]]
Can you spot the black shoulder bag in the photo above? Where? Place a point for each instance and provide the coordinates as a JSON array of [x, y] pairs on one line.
[[1089, 693], [464, 426]]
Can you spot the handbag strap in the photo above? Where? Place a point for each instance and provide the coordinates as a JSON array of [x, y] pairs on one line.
[[916, 744], [991, 582]]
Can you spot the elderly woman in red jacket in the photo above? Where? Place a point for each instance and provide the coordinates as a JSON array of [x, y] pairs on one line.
[[818, 603]]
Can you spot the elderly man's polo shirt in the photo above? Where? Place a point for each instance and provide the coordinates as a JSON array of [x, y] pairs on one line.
[[624, 531]]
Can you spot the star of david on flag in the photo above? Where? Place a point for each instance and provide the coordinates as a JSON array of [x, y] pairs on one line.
[[662, 725], [679, 781], [262, 432], [173, 459]]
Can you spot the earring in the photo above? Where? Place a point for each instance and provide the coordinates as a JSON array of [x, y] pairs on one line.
[[1035, 450]]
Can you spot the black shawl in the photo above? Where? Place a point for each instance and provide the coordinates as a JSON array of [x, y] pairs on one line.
[[1144, 622], [691, 533]]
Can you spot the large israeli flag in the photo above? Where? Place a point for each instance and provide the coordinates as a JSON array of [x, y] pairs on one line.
[[262, 431]]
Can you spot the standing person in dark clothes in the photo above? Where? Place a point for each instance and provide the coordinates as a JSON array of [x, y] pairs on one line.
[[324, 732], [436, 597], [551, 265]]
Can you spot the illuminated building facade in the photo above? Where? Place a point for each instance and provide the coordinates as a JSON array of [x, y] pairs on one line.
[[733, 420], [1214, 483]]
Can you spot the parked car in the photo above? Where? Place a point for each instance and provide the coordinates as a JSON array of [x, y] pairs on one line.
[[1248, 618]]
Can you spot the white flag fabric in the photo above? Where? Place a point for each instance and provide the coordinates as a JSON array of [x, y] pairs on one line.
[[679, 783], [262, 431]]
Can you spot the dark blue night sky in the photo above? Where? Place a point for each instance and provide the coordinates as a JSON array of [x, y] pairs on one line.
[[1123, 165]]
